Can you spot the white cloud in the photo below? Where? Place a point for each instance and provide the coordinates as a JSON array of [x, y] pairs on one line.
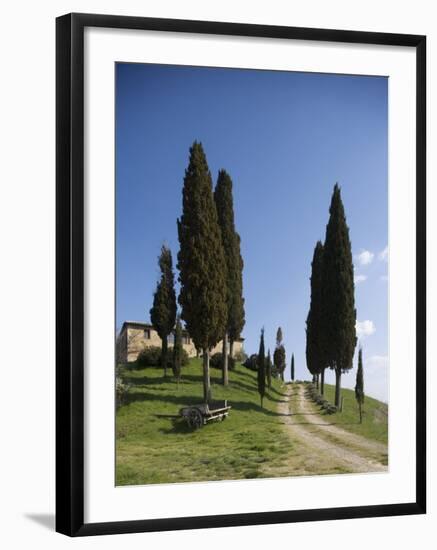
[[360, 279], [383, 255], [365, 257], [377, 362], [364, 328]]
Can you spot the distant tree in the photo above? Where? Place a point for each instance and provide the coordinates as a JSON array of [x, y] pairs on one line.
[[292, 367], [201, 262], [261, 375], [314, 330], [163, 311], [234, 267], [177, 350], [338, 300], [279, 355], [269, 370], [359, 386]]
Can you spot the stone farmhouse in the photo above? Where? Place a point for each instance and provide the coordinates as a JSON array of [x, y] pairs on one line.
[[135, 336]]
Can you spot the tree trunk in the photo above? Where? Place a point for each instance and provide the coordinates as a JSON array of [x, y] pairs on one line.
[[337, 387], [322, 382], [164, 350], [231, 347], [206, 378], [262, 401], [316, 377], [225, 360]]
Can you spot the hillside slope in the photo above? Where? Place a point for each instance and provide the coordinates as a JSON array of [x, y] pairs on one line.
[[151, 449], [277, 440]]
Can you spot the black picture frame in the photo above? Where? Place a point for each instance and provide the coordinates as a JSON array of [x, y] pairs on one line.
[[70, 273]]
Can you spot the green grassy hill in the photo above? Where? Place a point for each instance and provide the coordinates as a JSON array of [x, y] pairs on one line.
[[158, 450], [251, 443], [375, 413]]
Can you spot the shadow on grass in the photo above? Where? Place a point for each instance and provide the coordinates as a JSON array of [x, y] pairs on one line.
[[274, 400], [155, 382]]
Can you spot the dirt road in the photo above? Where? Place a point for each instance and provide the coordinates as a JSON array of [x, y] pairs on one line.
[[320, 446]]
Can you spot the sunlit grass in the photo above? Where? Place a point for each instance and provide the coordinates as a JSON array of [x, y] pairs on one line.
[[152, 449]]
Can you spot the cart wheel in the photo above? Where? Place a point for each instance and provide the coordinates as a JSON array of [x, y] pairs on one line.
[[195, 419]]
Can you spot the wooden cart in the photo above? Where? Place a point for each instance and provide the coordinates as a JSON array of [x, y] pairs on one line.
[[198, 415]]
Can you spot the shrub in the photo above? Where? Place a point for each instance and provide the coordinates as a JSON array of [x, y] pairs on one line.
[[240, 356], [251, 362], [216, 361], [121, 391], [121, 388], [149, 357], [184, 358]]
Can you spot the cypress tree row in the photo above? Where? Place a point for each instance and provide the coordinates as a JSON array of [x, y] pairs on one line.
[[359, 386], [177, 350], [338, 289], [163, 311], [201, 261], [279, 355], [292, 367], [261, 374], [315, 330], [234, 266]]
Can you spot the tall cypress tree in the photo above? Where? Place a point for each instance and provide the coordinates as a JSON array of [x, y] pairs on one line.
[[359, 386], [314, 331], [201, 261], [338, 300], [269, 370], [279, 355], [261, 374], [237, 319], [177, 350], [163, 311], [234, 266], [292, 367]]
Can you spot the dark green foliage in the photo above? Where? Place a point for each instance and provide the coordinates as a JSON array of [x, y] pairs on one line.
[[269, 370], [177, 350], [251, 362], [338, 300], [152, 357], [185, 359], [163, 311], [261, 376], [279, 359], [149, 357], [314, 330], [216, 361], [359, 385], [234, 262], [292, 368], [201, 261]]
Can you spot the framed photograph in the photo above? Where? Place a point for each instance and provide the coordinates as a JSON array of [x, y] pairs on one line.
[[240, 274]]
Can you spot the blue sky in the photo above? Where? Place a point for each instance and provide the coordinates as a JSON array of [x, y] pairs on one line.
[[285, 138]]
